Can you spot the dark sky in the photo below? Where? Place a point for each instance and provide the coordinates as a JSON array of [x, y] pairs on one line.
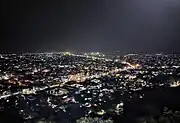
[[90, 25]]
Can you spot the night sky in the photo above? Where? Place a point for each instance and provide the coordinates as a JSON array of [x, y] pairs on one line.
[[147, 26]]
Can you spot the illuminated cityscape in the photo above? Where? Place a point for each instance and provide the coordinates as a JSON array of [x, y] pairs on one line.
[[54, 86], [90, 61]]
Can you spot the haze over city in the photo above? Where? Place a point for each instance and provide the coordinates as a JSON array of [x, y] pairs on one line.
[[89, 26]]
